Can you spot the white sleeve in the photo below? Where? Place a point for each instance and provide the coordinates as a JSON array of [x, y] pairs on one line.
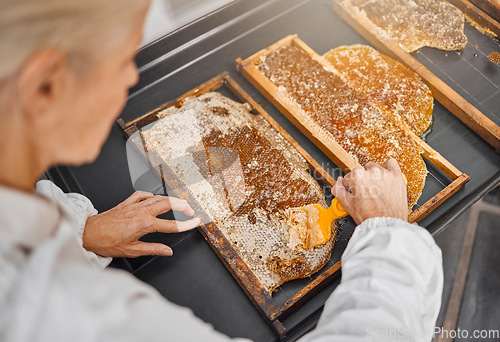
[[391, 287], [112, 306], [79, 209]]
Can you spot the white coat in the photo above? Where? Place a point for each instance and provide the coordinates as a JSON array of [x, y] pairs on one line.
[[52, 290]]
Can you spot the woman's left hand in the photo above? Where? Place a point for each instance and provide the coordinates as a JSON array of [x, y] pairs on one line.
[[116, 232]]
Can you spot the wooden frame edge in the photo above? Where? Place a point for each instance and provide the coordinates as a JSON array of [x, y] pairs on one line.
[[475, 13], [340, 157], [432, 204], [329, 274], [334, 151], [449, 98], [284, 41]]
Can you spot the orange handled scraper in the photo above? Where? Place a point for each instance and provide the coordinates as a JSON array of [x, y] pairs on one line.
[[319, 220]]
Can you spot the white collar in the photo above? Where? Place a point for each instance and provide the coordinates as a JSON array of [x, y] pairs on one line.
[[26, 219]]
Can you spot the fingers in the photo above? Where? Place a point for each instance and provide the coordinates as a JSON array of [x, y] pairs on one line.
[[137, 196], [392, 165], [148, 248], [372, 165], [158, 205], [348, 176], [339, 190], [167, 226], [351, 178]]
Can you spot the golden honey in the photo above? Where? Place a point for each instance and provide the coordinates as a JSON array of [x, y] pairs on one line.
[[266, 171], [386, 82], [344, 114]]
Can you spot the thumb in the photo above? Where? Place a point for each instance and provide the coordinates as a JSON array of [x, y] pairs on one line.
[[149, 248]]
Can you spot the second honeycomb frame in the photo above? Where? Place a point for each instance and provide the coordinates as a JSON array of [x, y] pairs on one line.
[[330, 147]]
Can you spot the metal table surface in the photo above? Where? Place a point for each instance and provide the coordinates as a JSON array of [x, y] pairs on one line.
[[180, 61]]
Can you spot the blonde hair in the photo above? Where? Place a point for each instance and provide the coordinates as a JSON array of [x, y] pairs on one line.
[[82, 28]]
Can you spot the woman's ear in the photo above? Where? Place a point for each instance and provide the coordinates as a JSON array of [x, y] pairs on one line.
[[43, 79]]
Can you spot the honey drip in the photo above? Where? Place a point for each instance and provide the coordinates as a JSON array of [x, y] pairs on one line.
[[341, 113], [416, 23]]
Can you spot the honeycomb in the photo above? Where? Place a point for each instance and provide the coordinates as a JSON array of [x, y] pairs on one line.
[[338, 112], [303, 231], [269, 175], [386, 82], [494, 57], [416, 23]]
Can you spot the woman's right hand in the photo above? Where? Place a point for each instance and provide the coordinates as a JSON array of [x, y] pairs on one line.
[[116, 232], [373, 191]]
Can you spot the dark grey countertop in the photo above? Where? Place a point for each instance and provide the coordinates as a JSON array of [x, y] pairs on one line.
[[184, 59]]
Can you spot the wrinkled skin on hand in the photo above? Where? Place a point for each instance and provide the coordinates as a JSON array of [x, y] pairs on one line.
[[116, 232], [373, 191]]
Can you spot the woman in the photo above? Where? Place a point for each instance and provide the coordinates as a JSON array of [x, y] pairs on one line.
[[65, 69]]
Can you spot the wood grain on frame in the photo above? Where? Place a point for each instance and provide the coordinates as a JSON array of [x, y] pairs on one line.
[[330, 147], [449, 98], [483, 12]]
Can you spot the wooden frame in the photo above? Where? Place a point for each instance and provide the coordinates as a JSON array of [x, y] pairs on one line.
[[449, 98], [260, 298], [331, 148], [478, 15]]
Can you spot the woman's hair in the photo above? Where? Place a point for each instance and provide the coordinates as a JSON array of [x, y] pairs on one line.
[[84, 29]]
